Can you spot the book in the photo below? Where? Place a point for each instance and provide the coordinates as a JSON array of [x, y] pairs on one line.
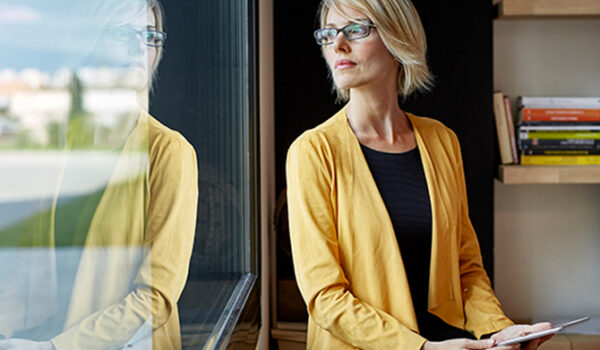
[[560, 127], [564, 152], [555, 135], [560, 159], [585, 144], [560, 114], [558, 102], [502, 128], [511, 130]]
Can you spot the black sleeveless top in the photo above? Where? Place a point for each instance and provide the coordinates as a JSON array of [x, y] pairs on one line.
[[401, 181]]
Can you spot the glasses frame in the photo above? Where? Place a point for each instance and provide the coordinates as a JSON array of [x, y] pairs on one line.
[[140, 34], [343, 31]]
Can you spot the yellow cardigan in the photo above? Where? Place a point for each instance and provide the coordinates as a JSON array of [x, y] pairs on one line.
[[135, 261], [346, 257]]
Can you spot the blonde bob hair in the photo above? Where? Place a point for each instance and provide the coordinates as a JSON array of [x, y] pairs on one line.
[[400, 28]]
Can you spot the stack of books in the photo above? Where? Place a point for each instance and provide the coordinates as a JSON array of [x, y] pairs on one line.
[[559, 130]]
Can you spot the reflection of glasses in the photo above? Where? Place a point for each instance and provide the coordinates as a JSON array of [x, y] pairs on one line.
[[352, 31], [152, 38]]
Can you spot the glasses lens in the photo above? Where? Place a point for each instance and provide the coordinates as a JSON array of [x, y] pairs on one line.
[[154, 38], [325, 36], [356, 31]]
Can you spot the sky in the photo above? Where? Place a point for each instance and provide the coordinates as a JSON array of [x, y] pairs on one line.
[[48, 35]]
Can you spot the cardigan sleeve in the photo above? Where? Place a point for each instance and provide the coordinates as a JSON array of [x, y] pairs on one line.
[[327, 292], [168, 245], [482, 308]]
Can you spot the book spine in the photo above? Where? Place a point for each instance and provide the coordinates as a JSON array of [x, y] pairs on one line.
[[560, 160], [561, 128], [511, 131], [555, 135], [559, 102], [563, 152], [502, 129], [560, 143], [560, 115]]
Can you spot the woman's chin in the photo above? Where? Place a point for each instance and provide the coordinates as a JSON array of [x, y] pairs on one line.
[[137, 78]]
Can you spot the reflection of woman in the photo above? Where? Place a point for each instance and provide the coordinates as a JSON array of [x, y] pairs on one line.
[[135, 258], [384, 251]]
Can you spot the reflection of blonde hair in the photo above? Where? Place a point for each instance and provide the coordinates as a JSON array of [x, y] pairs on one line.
[[400, 28], [159, 16]]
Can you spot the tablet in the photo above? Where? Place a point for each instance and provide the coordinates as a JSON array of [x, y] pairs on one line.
[[557, 328]]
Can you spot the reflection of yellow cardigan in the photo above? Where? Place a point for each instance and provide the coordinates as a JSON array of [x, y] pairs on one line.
[[345, 252], [136, 256]]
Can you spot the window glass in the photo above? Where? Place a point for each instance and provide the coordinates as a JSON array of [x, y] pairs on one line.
[[126, 190]]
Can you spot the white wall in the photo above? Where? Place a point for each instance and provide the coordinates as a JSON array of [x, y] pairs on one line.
[[547, 237]]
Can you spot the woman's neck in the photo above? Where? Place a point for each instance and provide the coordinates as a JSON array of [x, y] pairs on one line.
[[378, 121]]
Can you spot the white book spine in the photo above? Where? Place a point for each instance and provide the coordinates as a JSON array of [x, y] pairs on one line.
[[559, 102]]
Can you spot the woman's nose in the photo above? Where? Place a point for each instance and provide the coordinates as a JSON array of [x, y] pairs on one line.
[[340, 43], [136, 46]]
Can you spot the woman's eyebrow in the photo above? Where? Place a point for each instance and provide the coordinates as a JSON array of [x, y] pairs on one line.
[[355, 20]]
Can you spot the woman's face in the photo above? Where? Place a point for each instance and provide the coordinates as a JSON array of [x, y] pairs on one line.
[[122, 46], [363, 63]]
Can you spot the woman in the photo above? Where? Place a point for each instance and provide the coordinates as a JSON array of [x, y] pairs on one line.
[[135, 256], [401, 270]]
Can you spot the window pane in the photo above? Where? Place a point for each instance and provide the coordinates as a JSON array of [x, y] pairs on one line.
[[115, 229]]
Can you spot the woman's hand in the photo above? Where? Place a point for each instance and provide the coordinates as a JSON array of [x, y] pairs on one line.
[[23, 344], [459, 344], [521, 330]]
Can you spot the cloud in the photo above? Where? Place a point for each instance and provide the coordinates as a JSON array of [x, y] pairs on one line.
[[17, 14]]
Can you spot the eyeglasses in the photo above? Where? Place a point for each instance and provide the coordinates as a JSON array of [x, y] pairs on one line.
[[151, 38], [352, 31]]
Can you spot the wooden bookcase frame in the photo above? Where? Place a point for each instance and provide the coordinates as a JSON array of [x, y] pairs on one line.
[[519, 9]]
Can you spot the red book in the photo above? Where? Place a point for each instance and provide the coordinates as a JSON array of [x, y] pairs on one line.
[[560, 115]]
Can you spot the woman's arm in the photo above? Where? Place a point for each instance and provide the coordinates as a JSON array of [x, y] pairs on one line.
[[482, 308], [168, 244], [316, 254]]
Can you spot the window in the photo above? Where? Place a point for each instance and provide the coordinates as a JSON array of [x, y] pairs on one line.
[[100, 239]]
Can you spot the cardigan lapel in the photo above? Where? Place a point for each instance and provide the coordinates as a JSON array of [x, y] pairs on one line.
[[441, 290], [444, 250]]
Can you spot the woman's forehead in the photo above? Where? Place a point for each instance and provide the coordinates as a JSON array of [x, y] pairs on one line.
[[344, 15]]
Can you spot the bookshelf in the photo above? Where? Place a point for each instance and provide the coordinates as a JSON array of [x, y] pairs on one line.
[[532, 9], [535, 16], [536, 174], [543, 214]]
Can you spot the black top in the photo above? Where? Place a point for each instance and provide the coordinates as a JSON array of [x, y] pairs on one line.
[[401, 181]]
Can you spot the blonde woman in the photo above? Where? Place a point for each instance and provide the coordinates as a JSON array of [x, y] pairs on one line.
[[384, 251]]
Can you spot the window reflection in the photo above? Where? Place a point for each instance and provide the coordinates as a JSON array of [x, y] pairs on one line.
[[98, 198]]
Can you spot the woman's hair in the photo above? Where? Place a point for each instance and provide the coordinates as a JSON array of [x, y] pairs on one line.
[[159, 16], [400, 28]]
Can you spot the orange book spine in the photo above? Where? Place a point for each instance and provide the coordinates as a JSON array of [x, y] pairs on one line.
[[569, 115]]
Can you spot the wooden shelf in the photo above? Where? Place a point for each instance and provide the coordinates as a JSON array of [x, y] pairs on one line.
[[543, 174], [515, 9]]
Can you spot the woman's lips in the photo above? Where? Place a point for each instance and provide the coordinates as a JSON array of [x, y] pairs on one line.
[[344, 64]]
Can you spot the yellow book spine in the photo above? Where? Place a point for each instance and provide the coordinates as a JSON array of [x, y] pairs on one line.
[[560, 160]]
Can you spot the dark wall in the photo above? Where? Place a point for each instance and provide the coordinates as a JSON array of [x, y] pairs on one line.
[[459, 36]]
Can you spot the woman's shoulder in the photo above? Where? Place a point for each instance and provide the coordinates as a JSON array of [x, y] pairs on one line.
[[429, 127], [325, 135], [167, 148], [161, 137]]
